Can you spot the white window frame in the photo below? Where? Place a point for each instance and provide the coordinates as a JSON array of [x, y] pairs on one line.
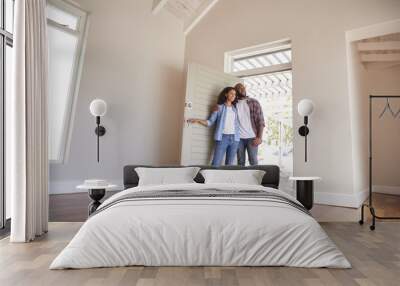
[[81, 32], [271, 47], [6, 39]]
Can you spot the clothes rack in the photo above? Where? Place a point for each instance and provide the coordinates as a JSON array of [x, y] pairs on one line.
[[388, 107], [369, 205]]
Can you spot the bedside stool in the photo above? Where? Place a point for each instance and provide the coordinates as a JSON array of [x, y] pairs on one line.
[[305, 190], [96, 193]]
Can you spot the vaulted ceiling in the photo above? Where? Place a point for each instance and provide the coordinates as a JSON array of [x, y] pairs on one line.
[[188, 11], [183, 9]]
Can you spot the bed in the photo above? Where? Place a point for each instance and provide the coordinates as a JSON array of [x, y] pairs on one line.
[[201, 224]]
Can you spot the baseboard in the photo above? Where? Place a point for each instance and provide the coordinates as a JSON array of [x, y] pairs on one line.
[[390, 190], [69, 187], [361, 197], [341, 200], [334, 199]]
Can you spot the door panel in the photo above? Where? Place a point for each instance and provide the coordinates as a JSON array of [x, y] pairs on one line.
[[203, 86]]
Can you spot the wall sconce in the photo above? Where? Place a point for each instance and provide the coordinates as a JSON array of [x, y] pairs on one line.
[[98, 108], [305, 108]]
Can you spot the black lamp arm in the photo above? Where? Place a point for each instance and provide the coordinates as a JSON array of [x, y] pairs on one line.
[[303, 131], [305, 120], [98, 138], [100, 131]]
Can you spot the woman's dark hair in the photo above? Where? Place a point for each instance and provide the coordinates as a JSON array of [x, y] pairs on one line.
[[222, 96]]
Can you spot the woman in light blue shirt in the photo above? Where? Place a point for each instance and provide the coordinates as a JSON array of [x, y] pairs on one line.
[[226, 134]]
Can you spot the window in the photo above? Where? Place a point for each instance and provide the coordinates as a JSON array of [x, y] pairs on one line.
[[6, 44], [267, 74], [66, 25]]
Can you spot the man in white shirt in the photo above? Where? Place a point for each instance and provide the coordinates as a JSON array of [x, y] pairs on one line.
[[251, 126]]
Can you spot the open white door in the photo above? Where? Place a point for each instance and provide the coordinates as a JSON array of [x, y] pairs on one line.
[[203, 86]]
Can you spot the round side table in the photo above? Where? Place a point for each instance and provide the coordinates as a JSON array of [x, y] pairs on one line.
[[96, 193], [305, 190]]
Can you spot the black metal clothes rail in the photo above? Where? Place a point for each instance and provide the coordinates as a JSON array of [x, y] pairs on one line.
[[370, 200]]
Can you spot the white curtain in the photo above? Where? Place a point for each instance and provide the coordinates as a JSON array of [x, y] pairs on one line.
[[28, 157]]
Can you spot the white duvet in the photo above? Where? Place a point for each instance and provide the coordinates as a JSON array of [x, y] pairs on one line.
[[193, 231]]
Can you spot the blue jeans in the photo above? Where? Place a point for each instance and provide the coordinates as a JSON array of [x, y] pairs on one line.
[[228, 147], [252, 151]]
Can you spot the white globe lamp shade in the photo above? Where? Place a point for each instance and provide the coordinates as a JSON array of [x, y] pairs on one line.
[[305, 107], [98, 107]]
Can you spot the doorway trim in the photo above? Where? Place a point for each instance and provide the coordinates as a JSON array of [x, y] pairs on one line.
[[357, 117]]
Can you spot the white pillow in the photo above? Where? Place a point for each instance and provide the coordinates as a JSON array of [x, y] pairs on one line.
[[165, 176], [248, 177]]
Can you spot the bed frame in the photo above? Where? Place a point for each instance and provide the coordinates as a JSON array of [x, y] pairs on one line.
[[270, 179]]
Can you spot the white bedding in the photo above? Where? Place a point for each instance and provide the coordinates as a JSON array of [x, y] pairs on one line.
[[199, 231]]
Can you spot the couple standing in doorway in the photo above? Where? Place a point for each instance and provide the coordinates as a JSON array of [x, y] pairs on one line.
[[239, 124]]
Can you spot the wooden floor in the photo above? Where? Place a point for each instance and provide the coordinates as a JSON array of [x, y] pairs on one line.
[[375, 257], [70, 207]]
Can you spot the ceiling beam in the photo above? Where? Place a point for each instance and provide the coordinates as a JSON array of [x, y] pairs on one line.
[[378, 46], [380, 57], [200, 12], [380, 65], [158, 5]]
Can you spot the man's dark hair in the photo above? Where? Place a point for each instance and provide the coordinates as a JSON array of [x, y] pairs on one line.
[[238, 93]]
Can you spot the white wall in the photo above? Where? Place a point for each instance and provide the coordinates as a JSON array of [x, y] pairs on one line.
[[317, 30], [134, 61]]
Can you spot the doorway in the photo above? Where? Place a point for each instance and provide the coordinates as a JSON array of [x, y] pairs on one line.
[[373, 60], [274, 92], [267, 74]]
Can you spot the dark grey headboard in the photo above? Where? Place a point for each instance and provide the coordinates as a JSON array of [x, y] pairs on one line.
[[271, 177]]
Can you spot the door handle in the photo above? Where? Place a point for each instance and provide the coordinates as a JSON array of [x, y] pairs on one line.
[[186, 122], [189, 105]]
